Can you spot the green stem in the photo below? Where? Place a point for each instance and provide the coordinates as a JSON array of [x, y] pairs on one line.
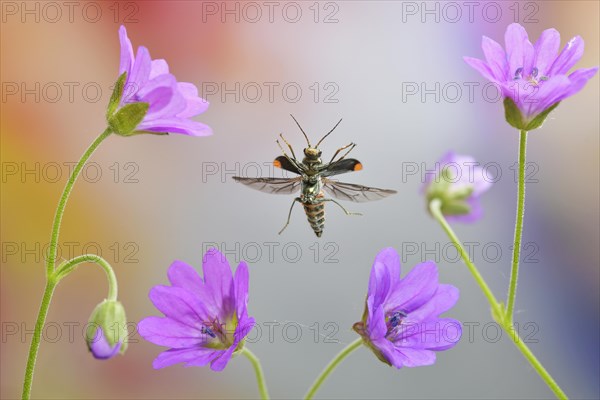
[[514, 272], [260, 376], [51, 261], [510, 330], [436, 210], [507, 325], [67, 267], [331, 366], [52, 279], [35, 342]]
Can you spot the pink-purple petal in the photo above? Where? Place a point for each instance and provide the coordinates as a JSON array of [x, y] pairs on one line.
[[170, 333], [410, 357], [241, 279], [140, 70], [163, 96], [100, 347], [183, 275], [194, 104], [158, 67], [495, 58], [405, 356], [528, 58], [568, 57], [245, 325], [127, 58], [376, 323], [219, 363], [435, 334], [583, 75], [546, 50], [218, 279], [515, 42], [196, 356], [179, 305], [444, 299], [389, 352], [176, 125], [385, 273], [415, 289], [482, 67], [551, 92]]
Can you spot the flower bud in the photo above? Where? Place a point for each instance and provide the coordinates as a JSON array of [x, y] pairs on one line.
[[107, 330], [457, 186]]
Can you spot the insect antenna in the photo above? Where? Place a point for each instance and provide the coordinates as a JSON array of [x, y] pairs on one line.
[[304, 133], [328, 133]]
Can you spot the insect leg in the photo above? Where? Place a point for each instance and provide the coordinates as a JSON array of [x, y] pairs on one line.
[[351, 145], [342, 207], [297, 199], [289, 145], [290, 159]]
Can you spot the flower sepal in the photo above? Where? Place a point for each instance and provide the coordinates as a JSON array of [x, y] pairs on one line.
[[454, 198], [124, 121], [107, 333], [116, 96], [515, 118]]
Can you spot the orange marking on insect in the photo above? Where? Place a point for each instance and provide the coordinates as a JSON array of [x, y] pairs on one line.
[[358, 167], [277, 163]]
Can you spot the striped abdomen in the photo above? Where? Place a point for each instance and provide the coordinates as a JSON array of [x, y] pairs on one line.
[[315, 213]]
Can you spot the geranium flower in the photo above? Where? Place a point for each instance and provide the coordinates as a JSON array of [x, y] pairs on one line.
[[401, 321], [170, 104], [458, 185], [205, 321], [533, 79]]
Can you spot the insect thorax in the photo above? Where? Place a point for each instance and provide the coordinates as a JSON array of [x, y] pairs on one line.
[[311, 188]]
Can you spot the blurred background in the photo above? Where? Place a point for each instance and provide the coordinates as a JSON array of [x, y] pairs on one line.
[[394, 72]]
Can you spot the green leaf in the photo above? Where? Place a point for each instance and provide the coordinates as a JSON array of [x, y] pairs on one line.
[[115, 98], [128, 118], [513, 114], [540, 118]]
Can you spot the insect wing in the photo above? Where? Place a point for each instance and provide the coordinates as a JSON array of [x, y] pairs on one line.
[[355, 193], [272, 185], [341, 167], [283, 163]]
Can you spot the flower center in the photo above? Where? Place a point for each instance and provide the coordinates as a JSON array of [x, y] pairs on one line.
[[219, 335], [531, 78], [395, 319], [207, 331]]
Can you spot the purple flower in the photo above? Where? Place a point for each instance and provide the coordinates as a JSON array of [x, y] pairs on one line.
[[171, 103], [101, 348], [458, 184], [401, 321], [532, 76], [206, 320]]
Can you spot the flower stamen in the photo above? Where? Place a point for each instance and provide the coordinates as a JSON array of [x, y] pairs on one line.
[[518, 73], [396, 318], [207, 331]]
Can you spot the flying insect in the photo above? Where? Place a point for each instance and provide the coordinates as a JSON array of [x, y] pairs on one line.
[[312, 181]]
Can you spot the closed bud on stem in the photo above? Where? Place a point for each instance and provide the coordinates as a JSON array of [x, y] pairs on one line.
[[106, 334]]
